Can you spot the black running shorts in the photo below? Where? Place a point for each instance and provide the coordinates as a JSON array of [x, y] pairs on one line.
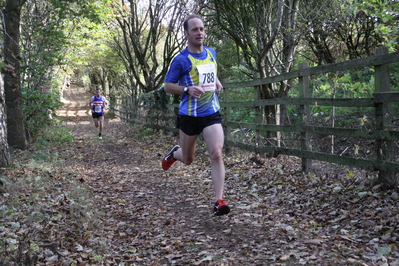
[[97, 115], [192, 125]]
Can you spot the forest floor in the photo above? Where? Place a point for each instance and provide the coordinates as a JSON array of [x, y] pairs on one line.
[[108, 202]]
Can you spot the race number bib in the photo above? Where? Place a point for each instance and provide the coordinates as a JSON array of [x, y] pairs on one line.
[[207, 77], [97, 108]]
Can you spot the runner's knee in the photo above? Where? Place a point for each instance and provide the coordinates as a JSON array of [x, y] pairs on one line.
[[216, 154]]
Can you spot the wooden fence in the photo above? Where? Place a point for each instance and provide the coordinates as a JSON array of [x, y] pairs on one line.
[[369, 145]]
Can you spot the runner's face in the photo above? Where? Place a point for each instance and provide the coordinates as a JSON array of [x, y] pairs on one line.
[[98, 93], [195, 32]]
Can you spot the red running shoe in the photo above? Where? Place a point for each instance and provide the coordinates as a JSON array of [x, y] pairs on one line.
[[221, 208], [168, 160]]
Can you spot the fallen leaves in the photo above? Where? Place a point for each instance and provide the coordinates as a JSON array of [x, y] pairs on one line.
[[111, 204]]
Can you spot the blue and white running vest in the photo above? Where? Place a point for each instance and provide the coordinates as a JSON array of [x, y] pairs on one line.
[[98, 104]]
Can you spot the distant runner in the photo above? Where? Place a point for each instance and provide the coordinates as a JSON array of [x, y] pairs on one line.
[[98, 103]]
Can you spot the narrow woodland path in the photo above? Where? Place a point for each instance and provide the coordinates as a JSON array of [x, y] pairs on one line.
[[279, 216], [153, 217], [108, 202]]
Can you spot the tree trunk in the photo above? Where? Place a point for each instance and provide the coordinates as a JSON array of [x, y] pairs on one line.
[[15, 118], [4, 151], [142, 35]]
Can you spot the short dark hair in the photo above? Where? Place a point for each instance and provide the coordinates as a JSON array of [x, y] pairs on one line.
[[185, 24]]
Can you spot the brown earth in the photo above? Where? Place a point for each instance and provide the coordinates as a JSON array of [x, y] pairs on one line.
[[108, 202]]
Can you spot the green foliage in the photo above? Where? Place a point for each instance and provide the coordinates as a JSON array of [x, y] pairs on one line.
[[156, 100], [228, 60], [335, 31], [356, 84], [77, 9], [240, 95], [385, 13], [39, 105], [156, 107], [42, 156], [394, 69], [49, 137], [46, 27], [246, 115], [146, 132], [55, 134]]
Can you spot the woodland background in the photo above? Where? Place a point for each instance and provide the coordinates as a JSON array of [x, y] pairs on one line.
[[125, 47]]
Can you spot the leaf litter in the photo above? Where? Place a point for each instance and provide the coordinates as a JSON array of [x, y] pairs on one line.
[[108, 202]]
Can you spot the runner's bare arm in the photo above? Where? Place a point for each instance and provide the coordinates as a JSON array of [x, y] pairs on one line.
[[219, 86], [174, 88]]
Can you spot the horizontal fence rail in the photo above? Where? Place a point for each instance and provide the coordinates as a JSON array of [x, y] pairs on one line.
[[372, 133]]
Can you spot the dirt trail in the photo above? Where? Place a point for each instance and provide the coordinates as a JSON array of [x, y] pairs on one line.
[[146, 216], [152, 216]]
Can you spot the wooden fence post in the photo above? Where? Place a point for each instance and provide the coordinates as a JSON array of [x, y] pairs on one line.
[[304, 116], [258, 116], [384, 149]]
